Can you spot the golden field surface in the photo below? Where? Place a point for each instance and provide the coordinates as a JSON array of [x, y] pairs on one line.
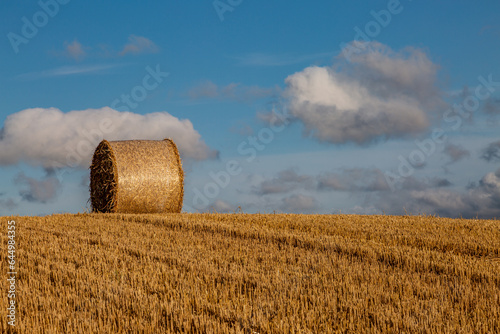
[[253, 273]]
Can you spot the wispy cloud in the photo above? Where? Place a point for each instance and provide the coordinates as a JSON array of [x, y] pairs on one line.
[[139, 44], [68, 70], [77, 51], [455, 152], [204, 90], [242, 129]]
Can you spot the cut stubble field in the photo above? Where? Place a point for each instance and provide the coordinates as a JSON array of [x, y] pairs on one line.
[[254, 273]]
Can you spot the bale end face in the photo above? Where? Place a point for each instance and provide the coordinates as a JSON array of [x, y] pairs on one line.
[[103, 179]]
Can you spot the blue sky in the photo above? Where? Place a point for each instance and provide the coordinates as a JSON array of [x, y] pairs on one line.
[[325, 107]]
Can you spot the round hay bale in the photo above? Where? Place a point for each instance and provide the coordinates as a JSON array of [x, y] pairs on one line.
[[136, 176]]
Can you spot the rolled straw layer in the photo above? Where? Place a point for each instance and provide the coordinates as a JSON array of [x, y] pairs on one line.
[[136, 176]]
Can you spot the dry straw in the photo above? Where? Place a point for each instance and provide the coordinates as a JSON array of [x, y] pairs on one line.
[[136, 176]]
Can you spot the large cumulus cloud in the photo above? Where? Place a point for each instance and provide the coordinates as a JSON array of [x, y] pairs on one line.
[[53, 139], [380, 93]]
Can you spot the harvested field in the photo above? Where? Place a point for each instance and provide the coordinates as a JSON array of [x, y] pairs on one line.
[[254, 273]]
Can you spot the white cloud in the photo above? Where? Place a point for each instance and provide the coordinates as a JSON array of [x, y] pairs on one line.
[[455, 152], [206, 89], [380, 93], [136, 45], [67, 70], [139, 44], [51, 138]]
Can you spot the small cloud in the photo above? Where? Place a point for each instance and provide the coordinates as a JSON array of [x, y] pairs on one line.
[[40, 191], [206, 89], [75, 50], [285, 181], [138, 45], [455, 152], [379, 94], [492, 152], [60, 139], [412, 183]]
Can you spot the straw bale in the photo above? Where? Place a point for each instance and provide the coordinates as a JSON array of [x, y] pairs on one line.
[[136, 176]]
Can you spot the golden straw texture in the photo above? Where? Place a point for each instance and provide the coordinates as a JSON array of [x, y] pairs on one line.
[[136, 176]]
